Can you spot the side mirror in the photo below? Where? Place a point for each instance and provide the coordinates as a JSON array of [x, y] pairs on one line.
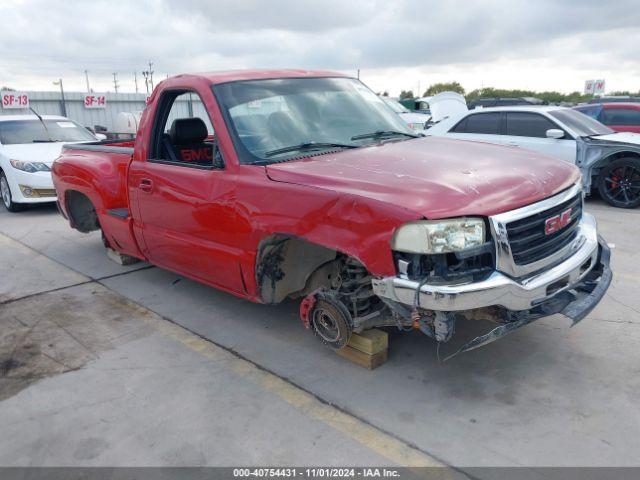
[[555, 133], [100, 136]]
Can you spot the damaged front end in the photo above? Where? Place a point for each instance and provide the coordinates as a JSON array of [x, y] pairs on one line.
[[540, 260]]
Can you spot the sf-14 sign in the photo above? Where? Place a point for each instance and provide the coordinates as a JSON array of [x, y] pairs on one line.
[[95, 100]]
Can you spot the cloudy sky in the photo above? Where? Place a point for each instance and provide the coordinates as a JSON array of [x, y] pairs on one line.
[[404, 44]]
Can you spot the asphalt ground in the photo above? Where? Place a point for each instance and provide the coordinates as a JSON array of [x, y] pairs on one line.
[[130, 366]]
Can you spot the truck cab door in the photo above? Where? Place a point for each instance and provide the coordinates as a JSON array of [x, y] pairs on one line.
[[184, 196]]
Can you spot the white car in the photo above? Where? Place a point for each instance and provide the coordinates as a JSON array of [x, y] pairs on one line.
[[28, 146], [608, 161], [415, 121]]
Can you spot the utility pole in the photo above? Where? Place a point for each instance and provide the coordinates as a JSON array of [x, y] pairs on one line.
[[62, 102], [151, 74], [135, 79], [115, 81], [145, 74], [358, 74], [86, 77]]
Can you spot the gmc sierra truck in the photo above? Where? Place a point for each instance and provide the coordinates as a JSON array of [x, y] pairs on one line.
[[273, 185]]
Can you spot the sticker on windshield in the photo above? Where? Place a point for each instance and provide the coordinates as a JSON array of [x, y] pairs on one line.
[[66, 124]]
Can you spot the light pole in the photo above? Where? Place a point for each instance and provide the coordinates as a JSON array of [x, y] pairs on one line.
[[86, 77], [62, 102]]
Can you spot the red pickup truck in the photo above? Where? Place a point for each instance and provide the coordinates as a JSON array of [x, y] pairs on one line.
[[273, 185]]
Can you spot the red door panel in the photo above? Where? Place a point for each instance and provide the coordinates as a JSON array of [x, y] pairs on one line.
[[185, 216]]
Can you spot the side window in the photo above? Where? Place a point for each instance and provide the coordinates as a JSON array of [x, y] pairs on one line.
[[522, 124], [183, 133], [487, 123], [621, 116]]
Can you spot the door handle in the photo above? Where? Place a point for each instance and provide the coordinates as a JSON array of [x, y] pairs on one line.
[[513, 144], [146, 185]]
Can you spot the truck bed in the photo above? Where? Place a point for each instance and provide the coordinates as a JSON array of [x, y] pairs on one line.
[[76, 171], [108, 146]]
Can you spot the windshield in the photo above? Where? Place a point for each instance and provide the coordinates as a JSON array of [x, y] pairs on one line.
[[32, 131], [581, 124], [396, 106], [267, 116], [592, 111]]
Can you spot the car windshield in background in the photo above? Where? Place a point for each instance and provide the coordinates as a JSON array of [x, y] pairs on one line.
[[396, 106], [580, 123], [268, 116], [32, 131]]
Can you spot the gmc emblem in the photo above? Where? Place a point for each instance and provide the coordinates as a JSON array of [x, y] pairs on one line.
[[557, 222]]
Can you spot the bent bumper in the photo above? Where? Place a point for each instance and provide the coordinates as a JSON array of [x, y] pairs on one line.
[[568, 288]]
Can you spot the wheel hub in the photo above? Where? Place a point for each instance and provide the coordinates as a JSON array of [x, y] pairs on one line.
[[326, 325]]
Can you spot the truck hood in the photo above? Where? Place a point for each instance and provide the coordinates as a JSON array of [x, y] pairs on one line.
[[34, 152], [435, 177]]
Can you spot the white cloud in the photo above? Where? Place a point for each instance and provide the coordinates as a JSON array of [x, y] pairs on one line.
[[543, 45]]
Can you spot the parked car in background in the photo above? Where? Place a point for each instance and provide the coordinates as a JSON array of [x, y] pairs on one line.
[[313, 189], [28, 146], [615, 99], [415, 121], [619, 117], [503, 102], [608, 161]]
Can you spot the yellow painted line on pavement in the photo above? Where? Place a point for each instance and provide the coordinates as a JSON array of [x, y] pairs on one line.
[[374, 439]]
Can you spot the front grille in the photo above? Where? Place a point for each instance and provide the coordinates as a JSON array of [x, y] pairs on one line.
[[528, 240]]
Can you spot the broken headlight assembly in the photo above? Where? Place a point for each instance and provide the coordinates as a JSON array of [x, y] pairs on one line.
[[439, 236], [444, 251]]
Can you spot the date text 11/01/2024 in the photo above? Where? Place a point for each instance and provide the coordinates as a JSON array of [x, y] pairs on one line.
[[317, 472]]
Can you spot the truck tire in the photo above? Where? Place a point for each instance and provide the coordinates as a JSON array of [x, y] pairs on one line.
[[7, 198], [619, 183]]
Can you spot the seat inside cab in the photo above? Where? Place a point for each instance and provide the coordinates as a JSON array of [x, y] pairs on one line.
[[187, 142]]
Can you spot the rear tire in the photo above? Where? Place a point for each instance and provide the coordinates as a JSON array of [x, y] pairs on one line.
[[619, 183], [7, 198]]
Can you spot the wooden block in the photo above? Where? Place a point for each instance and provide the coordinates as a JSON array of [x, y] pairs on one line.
[[370, 341], [363, 359], [120, 258]]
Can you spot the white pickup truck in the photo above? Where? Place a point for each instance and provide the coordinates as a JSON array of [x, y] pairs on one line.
[[28, 146]]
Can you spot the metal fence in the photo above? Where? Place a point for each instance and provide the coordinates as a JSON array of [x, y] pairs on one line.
[[50, 103]]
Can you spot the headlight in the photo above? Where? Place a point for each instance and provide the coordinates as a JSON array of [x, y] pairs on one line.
[[30, 167], [439, 236]]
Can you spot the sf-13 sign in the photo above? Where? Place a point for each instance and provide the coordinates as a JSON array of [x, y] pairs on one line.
[[14, 99]]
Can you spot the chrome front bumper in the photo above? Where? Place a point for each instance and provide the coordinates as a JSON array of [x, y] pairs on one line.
[[511, 293]]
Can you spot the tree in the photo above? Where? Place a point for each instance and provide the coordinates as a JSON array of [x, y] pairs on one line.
[[444, 87], [404, 94]]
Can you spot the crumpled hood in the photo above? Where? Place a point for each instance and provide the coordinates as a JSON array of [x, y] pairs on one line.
[[436, 177], [34, 152], [621, 137]]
